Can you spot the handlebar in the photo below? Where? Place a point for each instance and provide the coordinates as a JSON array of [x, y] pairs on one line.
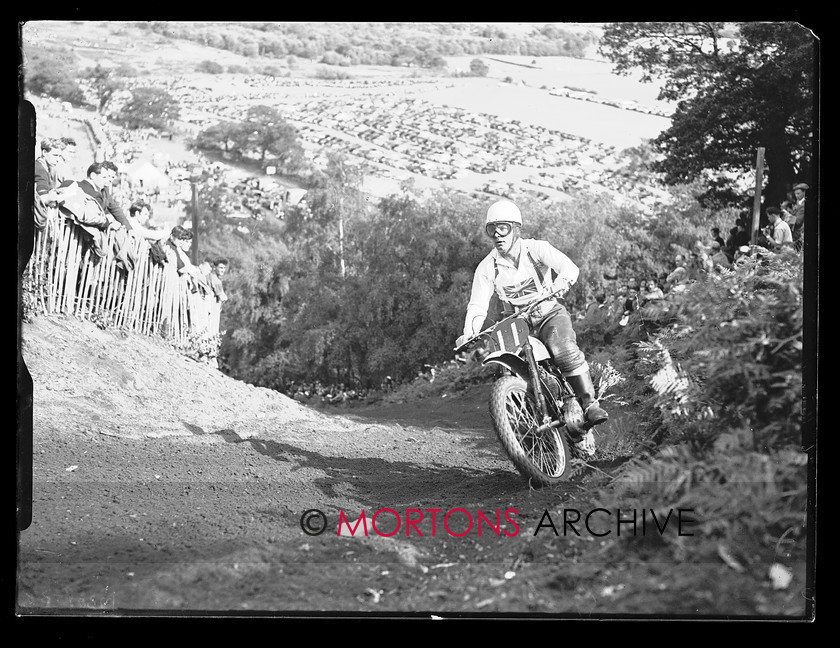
[[524, 311]]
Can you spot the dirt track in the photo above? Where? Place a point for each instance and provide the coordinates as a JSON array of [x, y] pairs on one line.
[[161, 484]]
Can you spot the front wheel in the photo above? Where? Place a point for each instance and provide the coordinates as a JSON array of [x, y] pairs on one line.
[[543, 458]]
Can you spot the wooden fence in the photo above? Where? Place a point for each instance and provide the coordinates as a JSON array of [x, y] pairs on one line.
[[65, 276]]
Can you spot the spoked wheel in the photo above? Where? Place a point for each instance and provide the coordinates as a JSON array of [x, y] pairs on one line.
[[541, 458]]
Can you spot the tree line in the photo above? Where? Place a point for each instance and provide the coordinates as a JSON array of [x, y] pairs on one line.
[[398, 44]]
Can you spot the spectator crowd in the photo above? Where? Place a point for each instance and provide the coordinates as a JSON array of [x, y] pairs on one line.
[[112, 218], [785, 230]]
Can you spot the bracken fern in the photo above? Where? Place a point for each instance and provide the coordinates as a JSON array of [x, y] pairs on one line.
[[725, 370]]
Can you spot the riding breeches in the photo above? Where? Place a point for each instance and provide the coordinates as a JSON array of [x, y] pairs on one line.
[[556, 332]]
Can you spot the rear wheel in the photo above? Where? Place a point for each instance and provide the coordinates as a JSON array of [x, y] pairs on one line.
[[541, 458]]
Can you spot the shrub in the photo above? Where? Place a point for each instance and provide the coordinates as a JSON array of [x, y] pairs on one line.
[[736, 338], [211, 67], [331, 74], [725, 371]]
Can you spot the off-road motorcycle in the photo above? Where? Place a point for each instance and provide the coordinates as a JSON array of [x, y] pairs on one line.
[[536, 415]]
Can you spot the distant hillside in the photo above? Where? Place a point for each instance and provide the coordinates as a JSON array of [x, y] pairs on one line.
[[149, 45]]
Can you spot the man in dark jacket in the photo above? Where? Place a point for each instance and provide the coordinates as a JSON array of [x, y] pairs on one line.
[[100, 176], [46, 181], [46, 166]]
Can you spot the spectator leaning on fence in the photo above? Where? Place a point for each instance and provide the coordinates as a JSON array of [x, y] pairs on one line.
[[139, 214], [112, 204], [180, 241], [99, 179]]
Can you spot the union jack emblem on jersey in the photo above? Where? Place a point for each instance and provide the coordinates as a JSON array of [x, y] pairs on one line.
[[520, 290]]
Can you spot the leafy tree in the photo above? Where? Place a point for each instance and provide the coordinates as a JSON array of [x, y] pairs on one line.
[[437, 62], [333, 58], [414, 262], [479, 68], [105, 84], [52, 72], [738, 88], [270, 134], [343, 198], [249, 48], [408, 268], [431, 59], [149, 107], [223, 136], [252, 350], [263, 131]]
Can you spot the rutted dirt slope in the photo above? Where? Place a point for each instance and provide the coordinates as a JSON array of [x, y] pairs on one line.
[[162, 484]]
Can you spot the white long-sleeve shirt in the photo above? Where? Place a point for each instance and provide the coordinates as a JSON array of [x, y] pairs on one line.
[[517, 284]]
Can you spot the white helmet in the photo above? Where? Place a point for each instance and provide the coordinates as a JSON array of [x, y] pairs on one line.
[[503, 211]]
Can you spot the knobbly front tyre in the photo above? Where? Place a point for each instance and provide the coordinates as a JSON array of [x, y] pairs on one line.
[[542, 459]]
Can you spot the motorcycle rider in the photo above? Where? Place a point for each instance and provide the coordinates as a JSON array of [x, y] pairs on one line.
[[518, 270]]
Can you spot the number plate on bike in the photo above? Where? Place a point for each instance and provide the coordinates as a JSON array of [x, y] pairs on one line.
[[508, 336]]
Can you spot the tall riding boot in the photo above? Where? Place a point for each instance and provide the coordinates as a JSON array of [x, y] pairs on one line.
[[585, 391]]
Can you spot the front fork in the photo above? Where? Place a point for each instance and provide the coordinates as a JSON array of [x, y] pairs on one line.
[[535, 384]]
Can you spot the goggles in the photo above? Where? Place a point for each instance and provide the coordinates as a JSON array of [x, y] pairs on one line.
[[503, 229]]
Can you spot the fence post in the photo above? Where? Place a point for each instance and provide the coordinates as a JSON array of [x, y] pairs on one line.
[[759, 181]]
